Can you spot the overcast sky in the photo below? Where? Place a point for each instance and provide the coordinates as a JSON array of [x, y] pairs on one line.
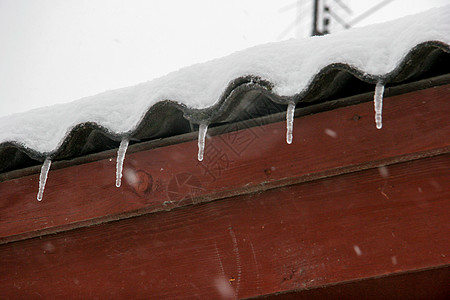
[[56, 51]]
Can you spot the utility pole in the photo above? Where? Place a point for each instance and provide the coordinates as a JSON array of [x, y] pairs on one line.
[[315, 30], [321, 20], [324, 11]]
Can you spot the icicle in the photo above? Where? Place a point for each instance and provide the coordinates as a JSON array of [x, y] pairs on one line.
[[43, 177], [120, 158], [201, 140], [378, 103], [290, 122]]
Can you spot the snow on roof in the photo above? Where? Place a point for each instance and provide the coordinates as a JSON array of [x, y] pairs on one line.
[[373, 54]]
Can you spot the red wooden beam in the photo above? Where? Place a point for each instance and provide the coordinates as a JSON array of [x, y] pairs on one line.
[[416, 124], [355, 226]]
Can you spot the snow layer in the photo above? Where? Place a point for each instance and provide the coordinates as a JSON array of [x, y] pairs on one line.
[[289, 66]]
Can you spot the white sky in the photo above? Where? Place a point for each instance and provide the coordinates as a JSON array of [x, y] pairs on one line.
[[54, 51]]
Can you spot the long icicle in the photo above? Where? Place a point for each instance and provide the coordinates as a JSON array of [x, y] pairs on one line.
[[120, 158], [201, 140], [290, 122], [43, 177], [378, 104]]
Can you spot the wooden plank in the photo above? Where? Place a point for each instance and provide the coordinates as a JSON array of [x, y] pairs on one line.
[[334, 142], [354, 226]]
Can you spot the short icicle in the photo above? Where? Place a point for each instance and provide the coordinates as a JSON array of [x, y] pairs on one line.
[[120, 158], [378, 104], [43, 177], [290, 122], [201, 140]]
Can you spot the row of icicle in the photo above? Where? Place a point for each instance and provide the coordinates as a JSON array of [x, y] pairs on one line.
[[378, 105]]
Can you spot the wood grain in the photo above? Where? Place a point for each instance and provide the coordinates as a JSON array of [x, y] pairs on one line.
[[354, 226], [325, 144]]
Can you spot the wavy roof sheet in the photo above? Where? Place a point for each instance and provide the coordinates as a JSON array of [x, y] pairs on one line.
[[300, 71]]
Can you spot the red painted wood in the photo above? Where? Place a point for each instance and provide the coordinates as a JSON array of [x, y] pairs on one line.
[[302, 236], [171, 176]]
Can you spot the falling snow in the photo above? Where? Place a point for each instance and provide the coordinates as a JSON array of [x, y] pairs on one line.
[[120, 158], [201, 140], [384, 172], [394, 260], [378, 104], [290, 122], [357, 250], [331, 133], [43, 177]]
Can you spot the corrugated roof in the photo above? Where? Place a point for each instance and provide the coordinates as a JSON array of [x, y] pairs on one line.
[[252, 94]]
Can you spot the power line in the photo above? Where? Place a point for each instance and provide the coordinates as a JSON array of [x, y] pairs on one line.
[[344, 6], [300, 7], [368, 12], [337, 18]]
